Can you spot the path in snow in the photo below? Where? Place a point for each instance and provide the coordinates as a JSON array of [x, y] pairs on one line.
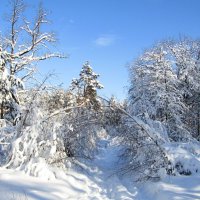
[[103, 173], [96, 181]]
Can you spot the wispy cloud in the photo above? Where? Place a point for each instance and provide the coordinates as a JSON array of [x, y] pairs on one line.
[[105, 40], [71, 21]]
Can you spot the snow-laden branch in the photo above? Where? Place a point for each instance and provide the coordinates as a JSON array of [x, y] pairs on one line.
[[27, 43], [144, 127]]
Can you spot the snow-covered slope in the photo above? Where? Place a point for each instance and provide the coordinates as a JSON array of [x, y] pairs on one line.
[[96, 180]]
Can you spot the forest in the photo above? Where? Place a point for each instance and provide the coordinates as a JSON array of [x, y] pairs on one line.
[[45, 128]]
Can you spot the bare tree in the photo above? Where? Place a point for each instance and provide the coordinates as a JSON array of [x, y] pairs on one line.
[[21, 49], [22, 54]]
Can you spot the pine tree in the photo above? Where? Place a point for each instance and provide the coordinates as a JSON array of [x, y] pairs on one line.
[[85, 87]]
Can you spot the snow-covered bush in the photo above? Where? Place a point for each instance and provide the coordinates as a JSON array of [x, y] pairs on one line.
[[144, 155], [184, 158], [37, 141], [81, 136]]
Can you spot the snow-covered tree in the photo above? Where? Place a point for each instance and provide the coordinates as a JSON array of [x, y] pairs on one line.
[[84, 120], [85, 87], [163, 103], [186, 56], [26, 44], [9, 85], [154, 90], [22, 47], [36, 138]]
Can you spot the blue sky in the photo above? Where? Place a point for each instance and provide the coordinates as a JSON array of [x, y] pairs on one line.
[[111, 34]]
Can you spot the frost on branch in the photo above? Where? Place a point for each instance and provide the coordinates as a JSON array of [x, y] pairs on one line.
[[27, 44]]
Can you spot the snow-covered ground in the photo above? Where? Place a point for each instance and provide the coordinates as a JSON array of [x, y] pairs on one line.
[[174, 188], [96, 180]]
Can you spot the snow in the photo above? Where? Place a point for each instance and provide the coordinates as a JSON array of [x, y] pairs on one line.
[[174, 188], [185, 155], [96, 180]]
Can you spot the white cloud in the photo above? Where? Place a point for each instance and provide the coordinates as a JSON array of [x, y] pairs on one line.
[[105, 40], [71, 21]]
